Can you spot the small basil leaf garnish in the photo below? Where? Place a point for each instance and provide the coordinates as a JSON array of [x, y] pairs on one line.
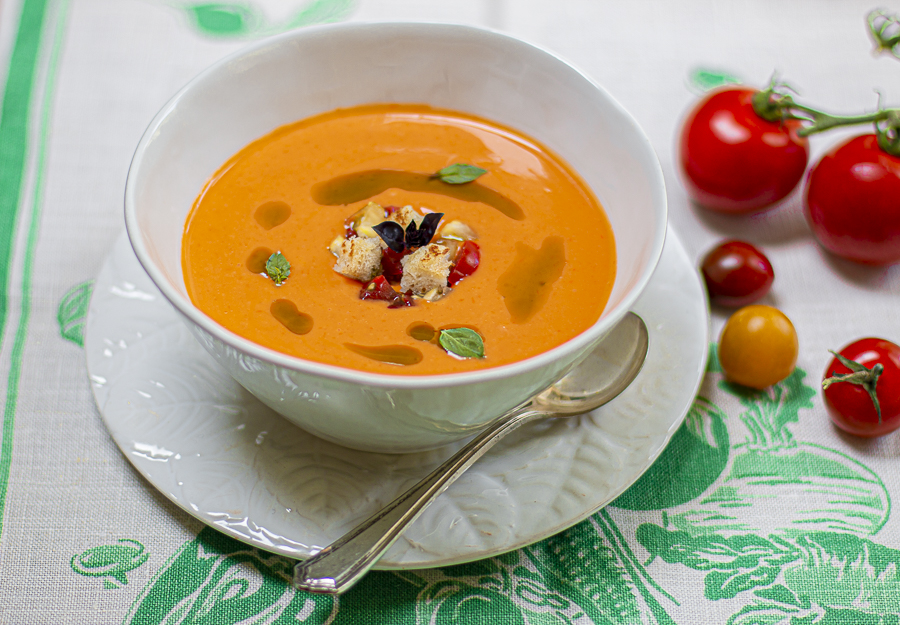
[[278, 268], [460, 173], [464, 342], [417, 236], [392, 234]]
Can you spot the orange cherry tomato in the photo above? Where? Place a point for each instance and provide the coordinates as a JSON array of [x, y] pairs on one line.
[[758, 346]]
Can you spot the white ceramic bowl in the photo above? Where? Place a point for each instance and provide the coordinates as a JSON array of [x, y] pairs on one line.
[[318, 69]]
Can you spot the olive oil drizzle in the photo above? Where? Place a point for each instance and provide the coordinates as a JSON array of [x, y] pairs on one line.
[[422, 331], [391, 354], [285, 311], [526, 285], [272, 214], [363, 185], [256, 260]]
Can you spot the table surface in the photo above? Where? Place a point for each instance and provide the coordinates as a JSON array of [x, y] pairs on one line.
[[759, 512]]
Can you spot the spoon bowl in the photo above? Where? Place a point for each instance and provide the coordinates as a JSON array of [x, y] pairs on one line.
[[602, 375], [599, 378]]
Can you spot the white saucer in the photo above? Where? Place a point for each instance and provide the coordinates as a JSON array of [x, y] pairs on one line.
[[226, 459]]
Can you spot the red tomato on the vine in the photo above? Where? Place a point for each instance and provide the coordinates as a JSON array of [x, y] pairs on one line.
[[850, 405], [733, 160], [852, 202], [736, 274]]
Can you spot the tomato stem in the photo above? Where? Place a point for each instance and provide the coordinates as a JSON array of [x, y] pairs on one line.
[[861, 375], [885, 30], [775, 104]]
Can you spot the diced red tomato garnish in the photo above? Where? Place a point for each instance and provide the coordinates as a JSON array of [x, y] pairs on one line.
[[380, 289], [467, 260], [404, 299], [390, 264]]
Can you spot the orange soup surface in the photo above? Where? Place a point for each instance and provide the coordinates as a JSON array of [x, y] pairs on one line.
[[547, 254]]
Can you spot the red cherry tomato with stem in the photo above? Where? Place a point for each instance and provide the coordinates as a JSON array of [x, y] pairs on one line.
[[852, 202], [736, 274], [733, 160], [850, 391]]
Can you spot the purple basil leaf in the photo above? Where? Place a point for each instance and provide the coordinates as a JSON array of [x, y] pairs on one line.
[[392, 234], [418, 236]]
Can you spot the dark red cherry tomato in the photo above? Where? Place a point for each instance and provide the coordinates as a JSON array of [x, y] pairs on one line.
[[850, 405], [736, 274], [852, 202], [467, 260], [733, 160]]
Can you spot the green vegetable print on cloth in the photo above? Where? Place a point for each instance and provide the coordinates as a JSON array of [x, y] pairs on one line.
[[246, 19], [815, 562], [72, 312], [110, 562]]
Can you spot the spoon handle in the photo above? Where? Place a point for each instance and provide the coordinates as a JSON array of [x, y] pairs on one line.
[[341, 564]]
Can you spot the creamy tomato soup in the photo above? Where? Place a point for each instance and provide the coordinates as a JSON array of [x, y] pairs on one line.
[[546, 252]]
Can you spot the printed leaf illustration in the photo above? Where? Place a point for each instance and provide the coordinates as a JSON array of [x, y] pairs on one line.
[[769, 412], [692, 461], [319, 12], [238, 19], [221, 19], [215, 579], [735, 564], [452, 602], [850, 577], [110, 561], [827, 490], [838, 570], [713, 552], [72, 311], [702, 79]]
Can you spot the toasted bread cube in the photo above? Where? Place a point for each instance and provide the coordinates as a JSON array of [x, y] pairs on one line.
[[360, 258], [406, 214], [425, 269]]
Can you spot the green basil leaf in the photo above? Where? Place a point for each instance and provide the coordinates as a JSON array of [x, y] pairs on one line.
[[278, 268], [460, 173], [463, 342]]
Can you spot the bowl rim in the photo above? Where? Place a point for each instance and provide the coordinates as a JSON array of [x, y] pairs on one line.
[[382, 380]]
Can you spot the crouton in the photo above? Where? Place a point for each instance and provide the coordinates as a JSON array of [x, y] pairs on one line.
[[425, 269], [360, 258], [405, 215]]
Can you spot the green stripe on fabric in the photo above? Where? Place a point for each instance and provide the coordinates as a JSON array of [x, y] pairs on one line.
[[14, 133], [30, 27]]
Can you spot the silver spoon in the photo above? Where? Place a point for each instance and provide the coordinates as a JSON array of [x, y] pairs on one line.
[[605, 373]]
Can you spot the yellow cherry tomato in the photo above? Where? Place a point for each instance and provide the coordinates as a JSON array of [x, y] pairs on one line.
[[758, 346]]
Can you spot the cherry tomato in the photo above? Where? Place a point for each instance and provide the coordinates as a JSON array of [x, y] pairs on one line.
[[850, 405], [733, 160], [467, 260], [758, 346], [852, 203], [736, 274]]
